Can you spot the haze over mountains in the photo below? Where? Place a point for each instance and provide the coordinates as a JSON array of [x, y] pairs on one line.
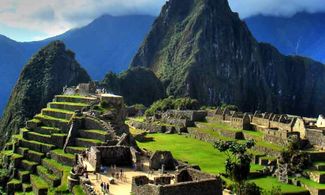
[[106, 44], [301, 34]]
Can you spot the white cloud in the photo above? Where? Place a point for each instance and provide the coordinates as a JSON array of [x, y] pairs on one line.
[[247, 8], [52, 17], [56, 16]]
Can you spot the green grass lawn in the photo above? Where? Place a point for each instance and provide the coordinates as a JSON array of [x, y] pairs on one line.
[[268, 182], [191, 150], [206, 156]]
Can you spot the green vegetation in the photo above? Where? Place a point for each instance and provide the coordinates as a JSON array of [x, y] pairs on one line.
[[39, 81], [101, 132], [38, 182], [209, 159], [137, 86], [60, 152], [94, 141], [58, 110], [52, 118], [267, 183], [77, 190], [190, 150], [172, 103], [228, 106], [69, 104], [238, 160]]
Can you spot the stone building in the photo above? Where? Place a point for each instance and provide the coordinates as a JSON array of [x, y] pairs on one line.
[[187, 182]]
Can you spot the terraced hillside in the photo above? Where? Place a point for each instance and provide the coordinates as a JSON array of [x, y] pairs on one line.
[[42, 155]]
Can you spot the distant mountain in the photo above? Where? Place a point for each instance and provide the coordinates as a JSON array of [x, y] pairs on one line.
[[106, 44], [301, 34], [203, 50]]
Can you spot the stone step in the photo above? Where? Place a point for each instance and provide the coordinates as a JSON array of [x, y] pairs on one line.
[[47, 130], [22, 151], [53, 122], [36, 146], [53, 166], [74, 99], [94, 134], [34, 156], [316, 156], [319, 166], [16, 159], [57, 113], [64, 158], [40, 187], [75, 150], [23, 176], [28, 165], [48, 176], [317, 176], [27, 187], [43, 138], [83, 142], [14, 185], [32, 124], [67, 106]]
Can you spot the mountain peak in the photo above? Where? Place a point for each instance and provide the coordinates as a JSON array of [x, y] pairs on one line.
[[52, 68], [203, 50]]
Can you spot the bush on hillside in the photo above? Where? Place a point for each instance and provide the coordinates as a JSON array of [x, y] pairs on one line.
[[171, 103], [229, 106]]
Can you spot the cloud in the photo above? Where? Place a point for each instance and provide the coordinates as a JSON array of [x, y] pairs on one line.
[[247, 8], [52, 17], [57, 16]]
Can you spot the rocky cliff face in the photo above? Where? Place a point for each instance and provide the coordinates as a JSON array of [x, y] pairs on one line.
[[203, 50], [52, 68]]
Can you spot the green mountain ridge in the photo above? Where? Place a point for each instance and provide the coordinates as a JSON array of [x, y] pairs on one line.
[[48, 71], [203, 50]]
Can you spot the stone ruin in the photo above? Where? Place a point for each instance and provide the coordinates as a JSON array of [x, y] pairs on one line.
[[161, 159], [186, 181], [171, 121], [277, 127]]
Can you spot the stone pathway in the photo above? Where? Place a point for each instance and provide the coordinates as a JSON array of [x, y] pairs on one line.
[[121, 187]]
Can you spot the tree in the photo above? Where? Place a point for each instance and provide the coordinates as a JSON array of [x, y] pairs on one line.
[[238, 165], [238, 161]]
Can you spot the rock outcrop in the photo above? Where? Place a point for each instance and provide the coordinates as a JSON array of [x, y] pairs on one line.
[[52, 68], [203, 50], [136, 85]]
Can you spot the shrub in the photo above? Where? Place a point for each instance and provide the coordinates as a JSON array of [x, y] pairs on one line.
[[172, 103], [230, 107], [247, 188]]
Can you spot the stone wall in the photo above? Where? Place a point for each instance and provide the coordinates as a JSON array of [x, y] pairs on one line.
[[189, 182], [203, 187], [192, 115], [91, 123], [316, 137], [142, 186], [160, 158], [110, 155], [299, 127]]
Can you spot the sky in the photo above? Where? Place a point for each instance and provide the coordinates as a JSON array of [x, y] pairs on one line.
[[29, 20]]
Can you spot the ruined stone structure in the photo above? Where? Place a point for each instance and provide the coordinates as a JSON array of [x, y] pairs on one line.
[[277, 128], [171, 121], [81, 120], [187, 182], [162, 158], [110, 155]]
